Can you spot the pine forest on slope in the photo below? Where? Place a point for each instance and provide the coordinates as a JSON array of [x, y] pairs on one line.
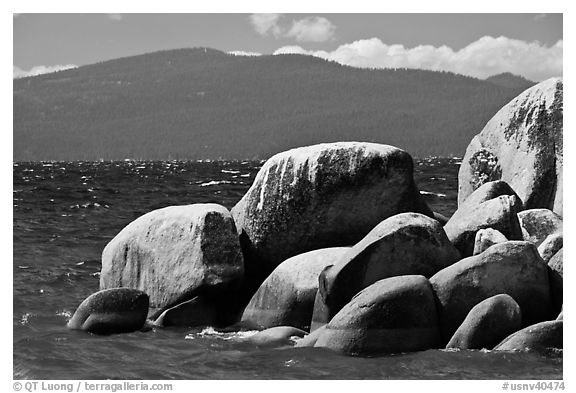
[[206, 104]]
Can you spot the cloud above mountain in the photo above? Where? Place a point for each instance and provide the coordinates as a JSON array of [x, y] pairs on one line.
[[308, 29], [482, 58], [38, 70]]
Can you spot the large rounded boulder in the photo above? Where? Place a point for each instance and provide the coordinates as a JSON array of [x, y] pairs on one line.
[[115, 310], [488, 323], [393, 315], [404, 244], [175, 254], [321, 196], [287, 296], [514, 268], [499, 213], [542, 337], [522, 145]]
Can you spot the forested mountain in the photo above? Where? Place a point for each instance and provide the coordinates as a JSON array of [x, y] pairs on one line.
[[206, 104], [508, 79]]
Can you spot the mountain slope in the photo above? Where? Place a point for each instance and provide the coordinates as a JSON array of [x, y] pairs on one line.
[[201, 103], [510, 80]]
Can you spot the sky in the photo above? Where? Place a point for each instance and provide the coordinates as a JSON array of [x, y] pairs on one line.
[[477, 45]]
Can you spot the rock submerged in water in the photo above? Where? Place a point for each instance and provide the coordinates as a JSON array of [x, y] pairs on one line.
[[287, 296], [538, 224], [393, 315], [541, 337], [321, 196], [499, 213], [522, 145], [488, 323], [513, 268], [278, 335], [404, 244], [175, 254], [115, 310]]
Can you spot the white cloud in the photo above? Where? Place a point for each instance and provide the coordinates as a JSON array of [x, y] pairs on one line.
[[482, 58], [37, 70], [309, 29], [244, 53], [265, 24], [116, 17], [312, 29]]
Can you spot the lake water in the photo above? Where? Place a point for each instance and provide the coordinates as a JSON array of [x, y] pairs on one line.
[[64, 215]]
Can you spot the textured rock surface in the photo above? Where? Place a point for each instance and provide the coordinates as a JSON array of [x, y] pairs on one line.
[[522, 145], [404, 244], [485, 192], [540, 337], [551, 245], [320, 196], [115, 310], [393, 315], [488, 323], [537, 224], [175, 254], [499, 213], [287, 296], [514, 268], [485, 238]]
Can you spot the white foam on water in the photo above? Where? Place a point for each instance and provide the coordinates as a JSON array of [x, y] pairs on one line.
[[215, 183], [438, 194], [211, 332]]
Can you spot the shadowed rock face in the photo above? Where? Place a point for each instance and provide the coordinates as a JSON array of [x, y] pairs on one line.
[[287, 296], [522, 145], [404, 244], [175, 254], [393, 315], [321, 196], [556, 272], [514, 268], [540, 337], [488, 323], [115, 310]]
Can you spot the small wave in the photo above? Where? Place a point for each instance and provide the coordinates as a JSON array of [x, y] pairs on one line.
[[227, 171], [211, 332], [64, 313], [245, 175], [25, 318], [436, 194], [215, 183]]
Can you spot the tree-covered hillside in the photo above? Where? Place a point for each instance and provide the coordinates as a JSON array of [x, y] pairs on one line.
[[201, 103]]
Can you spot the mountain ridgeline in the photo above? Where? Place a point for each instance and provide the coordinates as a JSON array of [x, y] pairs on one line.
[[205, 104]]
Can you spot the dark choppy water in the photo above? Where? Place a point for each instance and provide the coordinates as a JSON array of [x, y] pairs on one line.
[[65, 213]]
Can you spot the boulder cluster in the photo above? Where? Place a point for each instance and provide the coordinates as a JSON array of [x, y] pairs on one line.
[[333, 244]]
